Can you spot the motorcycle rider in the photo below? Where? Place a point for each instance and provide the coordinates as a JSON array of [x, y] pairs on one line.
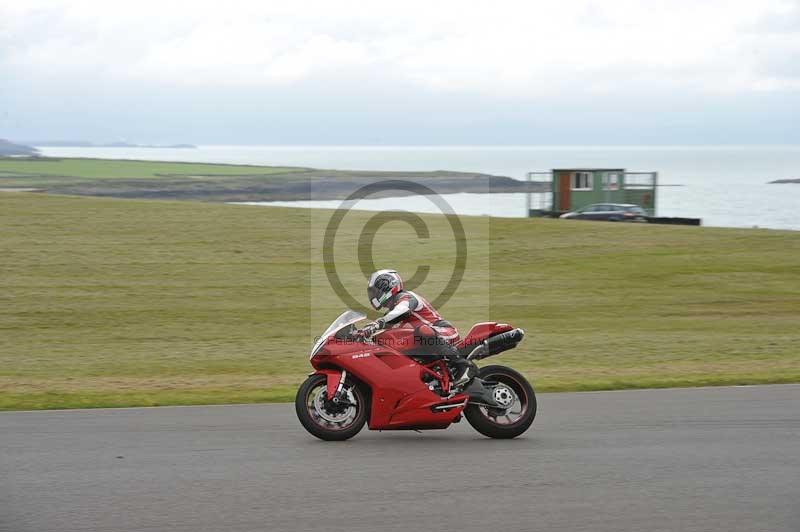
[[407, 309]]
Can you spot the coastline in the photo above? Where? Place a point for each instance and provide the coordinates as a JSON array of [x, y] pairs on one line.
[[215, 182]]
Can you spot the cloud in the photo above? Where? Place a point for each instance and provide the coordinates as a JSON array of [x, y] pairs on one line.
[[505, 49], [409, 72]]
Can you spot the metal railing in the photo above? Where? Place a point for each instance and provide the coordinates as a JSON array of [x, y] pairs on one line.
[[640, 180], [538, 200]]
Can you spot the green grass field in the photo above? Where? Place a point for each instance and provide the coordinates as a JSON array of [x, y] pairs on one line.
[[107, 302], [88, 169]]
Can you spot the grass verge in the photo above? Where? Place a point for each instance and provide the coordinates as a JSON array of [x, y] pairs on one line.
[[107, 302]]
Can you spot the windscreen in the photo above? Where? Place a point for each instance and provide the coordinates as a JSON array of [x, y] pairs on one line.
[[346, 318]]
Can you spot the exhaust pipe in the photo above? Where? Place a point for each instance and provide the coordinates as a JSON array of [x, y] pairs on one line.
[[497, 344]]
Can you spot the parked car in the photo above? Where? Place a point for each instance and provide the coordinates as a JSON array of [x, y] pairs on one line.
[[610, 212]]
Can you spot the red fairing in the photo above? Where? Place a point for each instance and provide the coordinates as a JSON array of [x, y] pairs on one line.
[[400, 398], [398, 339], [482, 331]]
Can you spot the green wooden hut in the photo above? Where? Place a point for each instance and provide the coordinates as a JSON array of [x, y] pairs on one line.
[[575, 188]]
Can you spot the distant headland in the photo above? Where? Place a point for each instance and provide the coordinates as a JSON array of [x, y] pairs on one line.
[[232, 183], [8, 149], [784, 181], [87, 144]]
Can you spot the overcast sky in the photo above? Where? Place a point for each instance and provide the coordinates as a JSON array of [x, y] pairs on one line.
[[407, 72]]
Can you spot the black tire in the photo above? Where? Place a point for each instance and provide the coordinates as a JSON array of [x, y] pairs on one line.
[[479, 416], [320, 430]]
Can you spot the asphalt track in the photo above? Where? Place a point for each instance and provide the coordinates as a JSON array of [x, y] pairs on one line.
[[724, 459]]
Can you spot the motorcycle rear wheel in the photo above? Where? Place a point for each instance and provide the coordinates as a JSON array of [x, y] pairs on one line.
[[325, 420], [497, 423]]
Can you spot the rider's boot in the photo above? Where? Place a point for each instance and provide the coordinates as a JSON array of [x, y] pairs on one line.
[[463, 371]]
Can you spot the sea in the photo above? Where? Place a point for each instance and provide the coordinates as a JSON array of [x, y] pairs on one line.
[[725, 186]]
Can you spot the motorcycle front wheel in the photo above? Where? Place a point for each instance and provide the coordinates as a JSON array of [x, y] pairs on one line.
[[325, 419], [518, 400]]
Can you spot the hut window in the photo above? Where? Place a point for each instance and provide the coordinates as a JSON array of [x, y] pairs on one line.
[[582, 181], [610, 181]]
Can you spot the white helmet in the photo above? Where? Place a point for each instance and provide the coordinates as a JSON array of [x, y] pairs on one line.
[[383, 284]]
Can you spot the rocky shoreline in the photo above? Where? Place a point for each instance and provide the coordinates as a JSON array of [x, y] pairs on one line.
[[245, 183], [305, 185]]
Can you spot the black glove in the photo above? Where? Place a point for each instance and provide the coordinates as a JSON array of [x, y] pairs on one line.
[[373, 327]]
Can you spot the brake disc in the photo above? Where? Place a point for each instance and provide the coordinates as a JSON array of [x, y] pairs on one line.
[[337, 415]]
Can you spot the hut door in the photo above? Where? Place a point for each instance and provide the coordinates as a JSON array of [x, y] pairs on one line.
[[564, 187]]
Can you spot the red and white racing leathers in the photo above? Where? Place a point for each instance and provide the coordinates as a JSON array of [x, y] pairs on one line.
[[411, 310]]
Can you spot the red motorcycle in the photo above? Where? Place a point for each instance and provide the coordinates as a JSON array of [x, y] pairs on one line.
[[388, 381]]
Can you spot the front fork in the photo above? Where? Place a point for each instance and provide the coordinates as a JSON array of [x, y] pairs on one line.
[[335, 382]]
